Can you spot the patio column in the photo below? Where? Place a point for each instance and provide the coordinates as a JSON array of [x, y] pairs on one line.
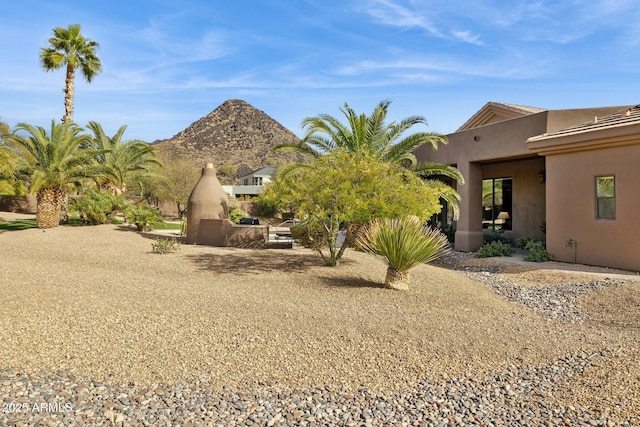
[[469, 235]]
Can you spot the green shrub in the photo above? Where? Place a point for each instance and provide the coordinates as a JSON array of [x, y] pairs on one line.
[[495, 248], [496, 236], [524, 241], [98, 206], [144, 216], [310, 234], [537, 252], [235, 213], [163, 246], [266, 207]]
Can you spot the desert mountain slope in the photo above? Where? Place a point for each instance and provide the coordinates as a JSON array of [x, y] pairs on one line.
[[235, 133]]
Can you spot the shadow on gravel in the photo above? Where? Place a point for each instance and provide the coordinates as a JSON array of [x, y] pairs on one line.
[[129, 228], [254, 262], [349, 282]]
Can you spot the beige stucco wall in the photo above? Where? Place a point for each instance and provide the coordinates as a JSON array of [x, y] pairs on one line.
[[571, 207], [471, 150]]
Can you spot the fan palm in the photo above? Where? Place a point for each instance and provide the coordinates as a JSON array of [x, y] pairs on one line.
[[9, 163], [69, 48], [121, 161], [402, 243], [57, 160], [364, 134]]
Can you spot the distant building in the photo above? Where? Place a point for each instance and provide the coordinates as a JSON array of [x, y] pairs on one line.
[[572, 173], [251, 184]]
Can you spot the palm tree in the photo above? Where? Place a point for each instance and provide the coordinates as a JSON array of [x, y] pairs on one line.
[[364, 134], [9, 162], [57, 160], [120, 161], [69, 48], [402, 243]]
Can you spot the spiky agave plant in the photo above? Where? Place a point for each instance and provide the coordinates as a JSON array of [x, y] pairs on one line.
[[402, 243]]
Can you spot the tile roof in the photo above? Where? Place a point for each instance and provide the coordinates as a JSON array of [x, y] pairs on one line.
[[265, 170], [626, 116]]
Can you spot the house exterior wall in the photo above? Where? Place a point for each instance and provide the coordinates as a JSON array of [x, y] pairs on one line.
[[470, 150], [528, 194], [571, 204]]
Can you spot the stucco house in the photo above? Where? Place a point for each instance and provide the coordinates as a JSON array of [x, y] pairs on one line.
[[251, 184], [570, 172]]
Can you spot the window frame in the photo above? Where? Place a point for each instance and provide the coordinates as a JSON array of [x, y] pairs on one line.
[[493, 225], [598, 198]]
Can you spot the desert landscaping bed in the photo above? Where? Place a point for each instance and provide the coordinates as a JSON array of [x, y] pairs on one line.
[[92, 319]]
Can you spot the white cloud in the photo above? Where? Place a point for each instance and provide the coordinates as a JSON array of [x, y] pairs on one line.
[[389, 13], [467, 37]]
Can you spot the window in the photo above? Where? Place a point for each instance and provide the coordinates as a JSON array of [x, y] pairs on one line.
[[605, 197], [257, 180], [497, 203]]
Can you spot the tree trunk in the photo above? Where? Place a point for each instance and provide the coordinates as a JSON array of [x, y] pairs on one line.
[[396, 279], [48, 207], [68, 94], [64, 209]]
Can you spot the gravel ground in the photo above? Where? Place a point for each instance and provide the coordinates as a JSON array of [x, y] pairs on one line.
[[97, 330]]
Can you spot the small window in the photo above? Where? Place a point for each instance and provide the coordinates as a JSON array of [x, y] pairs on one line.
[[605, 197]]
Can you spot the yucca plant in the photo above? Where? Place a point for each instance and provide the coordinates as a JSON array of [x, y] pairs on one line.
[[402, 243]]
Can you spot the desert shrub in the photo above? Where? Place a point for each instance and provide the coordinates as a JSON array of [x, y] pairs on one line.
[[495, 248], [165, 245], [524, 241], [98, 206], [266, 206], [537, 252], [183, 226], [310, 234], [496, 236], [144, 216], [235, 213]]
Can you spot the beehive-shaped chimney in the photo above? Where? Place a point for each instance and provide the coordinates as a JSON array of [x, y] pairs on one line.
[[207, 201]]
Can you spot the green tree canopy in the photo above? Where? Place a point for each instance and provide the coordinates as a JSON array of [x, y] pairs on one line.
[[10, 162], [121, 162], [344, 187], [370, 136], [57, 159], [68, 48]]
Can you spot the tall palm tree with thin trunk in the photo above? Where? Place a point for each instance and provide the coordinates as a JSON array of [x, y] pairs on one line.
[[68, 48], [362, 134], [121, 161], [57, 160]]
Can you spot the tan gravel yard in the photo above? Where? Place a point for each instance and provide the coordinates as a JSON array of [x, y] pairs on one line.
[[95, 302]]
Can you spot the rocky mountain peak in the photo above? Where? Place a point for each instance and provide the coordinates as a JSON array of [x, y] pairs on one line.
[[235, 133]]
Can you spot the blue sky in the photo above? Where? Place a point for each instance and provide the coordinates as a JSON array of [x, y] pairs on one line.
[[169, 62]]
